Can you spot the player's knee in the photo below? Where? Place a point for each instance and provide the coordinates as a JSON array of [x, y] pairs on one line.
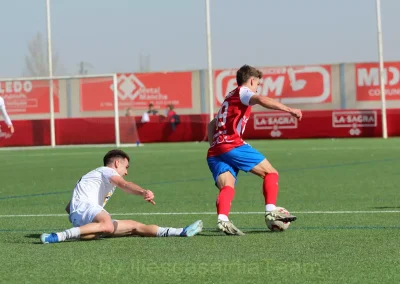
[[269, 171], [226, 184], [226, 179], [107, 227], [273, 171], [263, 169]]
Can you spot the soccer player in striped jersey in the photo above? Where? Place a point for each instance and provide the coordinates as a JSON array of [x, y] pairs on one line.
[[228, 153]]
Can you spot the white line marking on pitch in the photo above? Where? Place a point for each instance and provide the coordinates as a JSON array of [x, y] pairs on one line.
[[206, 213]]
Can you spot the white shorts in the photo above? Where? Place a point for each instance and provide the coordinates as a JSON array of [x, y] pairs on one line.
[[84, 213]]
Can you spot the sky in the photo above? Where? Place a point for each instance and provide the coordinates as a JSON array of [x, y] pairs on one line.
[[112, 36]]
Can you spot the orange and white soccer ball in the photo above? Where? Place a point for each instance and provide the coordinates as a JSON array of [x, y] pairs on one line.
[[278, 226]]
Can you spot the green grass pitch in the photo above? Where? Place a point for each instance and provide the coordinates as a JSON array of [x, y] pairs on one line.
[[345, 193]]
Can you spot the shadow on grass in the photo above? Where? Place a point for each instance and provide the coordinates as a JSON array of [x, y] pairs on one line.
[[215, 233], [386, 207], [34, 236]]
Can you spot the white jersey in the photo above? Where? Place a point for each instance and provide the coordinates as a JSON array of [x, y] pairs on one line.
[[94, 187], [4, 112]]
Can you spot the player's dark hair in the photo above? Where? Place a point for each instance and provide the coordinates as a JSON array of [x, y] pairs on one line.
[[245, 73], [114, 154]]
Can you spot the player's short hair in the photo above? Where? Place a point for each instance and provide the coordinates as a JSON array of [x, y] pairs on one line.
[[114, 154], [245, 73]]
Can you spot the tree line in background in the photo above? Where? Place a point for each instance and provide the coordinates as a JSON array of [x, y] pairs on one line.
[[36, 60]]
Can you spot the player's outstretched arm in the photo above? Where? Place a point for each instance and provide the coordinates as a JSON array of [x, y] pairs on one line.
[[130, 187], [274, 104], [210, 130]]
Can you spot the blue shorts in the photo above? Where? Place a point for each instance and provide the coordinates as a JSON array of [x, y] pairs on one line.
[[242, 158]]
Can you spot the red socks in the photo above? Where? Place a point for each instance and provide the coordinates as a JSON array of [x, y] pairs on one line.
[[271, 188], [270, 191], [224, 200]]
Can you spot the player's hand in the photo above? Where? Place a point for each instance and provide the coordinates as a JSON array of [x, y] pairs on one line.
[[149, 196], [296, 113], [11, 127]]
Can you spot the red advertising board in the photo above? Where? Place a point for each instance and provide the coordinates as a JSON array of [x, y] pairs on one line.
[[137, 91], [368, 82], [321, 124], [29, 97], [290, 85], [271, 125]]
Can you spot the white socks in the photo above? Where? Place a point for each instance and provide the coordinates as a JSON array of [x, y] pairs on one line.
[[73, 233], [270, 207], [169, 232], [223, 217]]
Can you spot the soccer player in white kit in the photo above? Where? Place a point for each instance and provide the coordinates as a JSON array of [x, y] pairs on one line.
[[5, 115], [92, 192]]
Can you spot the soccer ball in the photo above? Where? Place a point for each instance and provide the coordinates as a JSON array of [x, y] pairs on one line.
[[278, 226]]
